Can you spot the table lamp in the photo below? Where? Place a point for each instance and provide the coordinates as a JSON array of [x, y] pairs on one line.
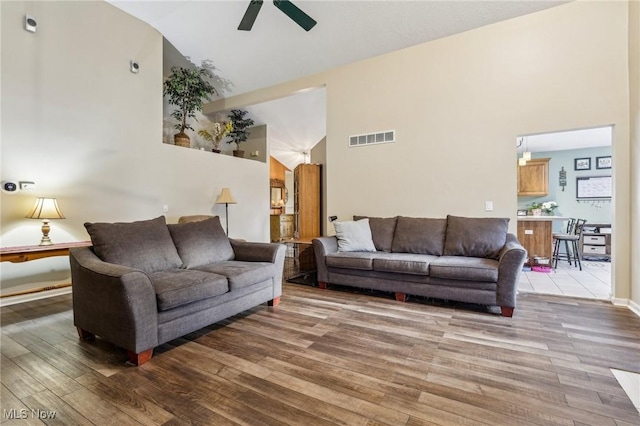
[[45, 209], [226, 198]]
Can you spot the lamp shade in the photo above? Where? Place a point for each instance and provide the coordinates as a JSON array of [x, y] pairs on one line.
[[45, 208], [225, 197]]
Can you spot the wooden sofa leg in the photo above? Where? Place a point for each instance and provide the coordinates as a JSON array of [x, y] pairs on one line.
[[323, 285], [401, 297], [141, 358], [85, 335], [506, 311], [274, 302]]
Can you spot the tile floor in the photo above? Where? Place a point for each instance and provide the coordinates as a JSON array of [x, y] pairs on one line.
[[593, 282], [630, 383]]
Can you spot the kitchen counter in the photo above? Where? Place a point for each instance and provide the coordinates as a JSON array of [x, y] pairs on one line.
[[540, 218], [535, 234]]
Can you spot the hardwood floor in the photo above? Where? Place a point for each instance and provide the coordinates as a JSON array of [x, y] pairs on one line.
[[332, 357]]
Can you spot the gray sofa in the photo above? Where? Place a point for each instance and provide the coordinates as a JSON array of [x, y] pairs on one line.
[[471, 260], [145, 283]]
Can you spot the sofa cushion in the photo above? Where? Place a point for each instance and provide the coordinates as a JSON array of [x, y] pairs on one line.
[[404, 263], [419, 235], [464, 268], [351, 260], [202, 242], [354, 236], [475, 236], [382, 229], [144, 245], [242, 274], [182, 286]]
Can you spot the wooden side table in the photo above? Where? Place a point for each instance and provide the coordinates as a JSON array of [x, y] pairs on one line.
[[28, 253]]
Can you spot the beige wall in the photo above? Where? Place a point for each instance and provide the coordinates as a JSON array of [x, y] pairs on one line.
[[89, 132], [634, 90], [457, 105]]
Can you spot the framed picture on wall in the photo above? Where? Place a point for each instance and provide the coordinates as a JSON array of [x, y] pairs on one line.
[[582, 163], [603, 162]]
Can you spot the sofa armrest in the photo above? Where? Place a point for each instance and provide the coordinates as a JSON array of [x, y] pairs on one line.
[[115, 302], [511, 261], [257, 252], [321, 247], [263, 252]]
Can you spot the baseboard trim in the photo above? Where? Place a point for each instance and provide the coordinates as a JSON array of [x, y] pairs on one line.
[[27, 297], [635, 308], [630, 304]]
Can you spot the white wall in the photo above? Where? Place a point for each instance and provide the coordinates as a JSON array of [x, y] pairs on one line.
[[89, 132]]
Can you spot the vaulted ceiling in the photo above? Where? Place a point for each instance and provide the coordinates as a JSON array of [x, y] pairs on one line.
[[278, 50]]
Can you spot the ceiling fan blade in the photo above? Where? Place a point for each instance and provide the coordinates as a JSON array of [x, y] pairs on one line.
[[250, 15], [293, 12]]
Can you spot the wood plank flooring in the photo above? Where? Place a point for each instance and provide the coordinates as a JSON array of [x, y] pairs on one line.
[[328, 357]]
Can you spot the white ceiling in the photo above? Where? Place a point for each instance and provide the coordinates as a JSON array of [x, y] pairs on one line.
[[572, 139], [278, 50]]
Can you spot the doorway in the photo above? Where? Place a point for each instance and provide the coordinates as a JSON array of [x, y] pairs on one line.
[[579, 182]]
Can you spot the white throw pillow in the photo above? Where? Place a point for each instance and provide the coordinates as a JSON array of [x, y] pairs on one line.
[[354, 236]]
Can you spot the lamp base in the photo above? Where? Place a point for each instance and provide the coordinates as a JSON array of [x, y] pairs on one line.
[[45, 241]]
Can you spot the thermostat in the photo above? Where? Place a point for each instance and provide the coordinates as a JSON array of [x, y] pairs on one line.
[[10, 186]]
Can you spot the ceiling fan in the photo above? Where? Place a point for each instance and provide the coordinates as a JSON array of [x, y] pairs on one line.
[[291, 10]]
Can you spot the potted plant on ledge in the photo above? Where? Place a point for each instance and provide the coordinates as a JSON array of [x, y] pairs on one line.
[[217, 132], [187, 89], [239, 133]]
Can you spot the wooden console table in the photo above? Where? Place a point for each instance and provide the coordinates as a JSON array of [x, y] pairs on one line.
[[28, 253]]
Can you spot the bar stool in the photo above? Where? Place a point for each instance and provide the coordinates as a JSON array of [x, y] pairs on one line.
[[571, 236]]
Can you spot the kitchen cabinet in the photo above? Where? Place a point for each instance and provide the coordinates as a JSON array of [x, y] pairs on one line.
[[536, 237], [533, 178], [306, 201], [281, 227]]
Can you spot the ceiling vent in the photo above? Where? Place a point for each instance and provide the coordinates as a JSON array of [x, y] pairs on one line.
[[387, 136]]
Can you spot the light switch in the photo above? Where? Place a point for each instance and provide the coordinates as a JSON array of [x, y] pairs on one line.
[[488, 206]]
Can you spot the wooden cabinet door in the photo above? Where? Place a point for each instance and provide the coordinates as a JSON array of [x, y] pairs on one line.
[[306, 199], [533, 178], [536, 237]]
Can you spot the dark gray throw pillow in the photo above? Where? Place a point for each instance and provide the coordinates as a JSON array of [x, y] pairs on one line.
[[201, 243], [419, 235], [382, 229], [475, 236], [144, 245]]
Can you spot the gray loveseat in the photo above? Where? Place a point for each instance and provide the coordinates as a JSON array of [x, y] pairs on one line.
[[145, 283], [471, 260]]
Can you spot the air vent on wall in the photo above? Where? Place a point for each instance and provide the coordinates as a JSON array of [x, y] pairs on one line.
[[388, 136]]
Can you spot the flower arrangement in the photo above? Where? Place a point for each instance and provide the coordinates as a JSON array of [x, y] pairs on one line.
[[546, 207], [549, 206], [217, 133]]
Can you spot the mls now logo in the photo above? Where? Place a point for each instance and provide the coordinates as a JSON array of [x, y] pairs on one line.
[[15, 414], [24, 414]]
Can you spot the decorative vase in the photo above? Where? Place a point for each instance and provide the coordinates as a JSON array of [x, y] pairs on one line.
[[238, 153], [537, 212], [182, 139]]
